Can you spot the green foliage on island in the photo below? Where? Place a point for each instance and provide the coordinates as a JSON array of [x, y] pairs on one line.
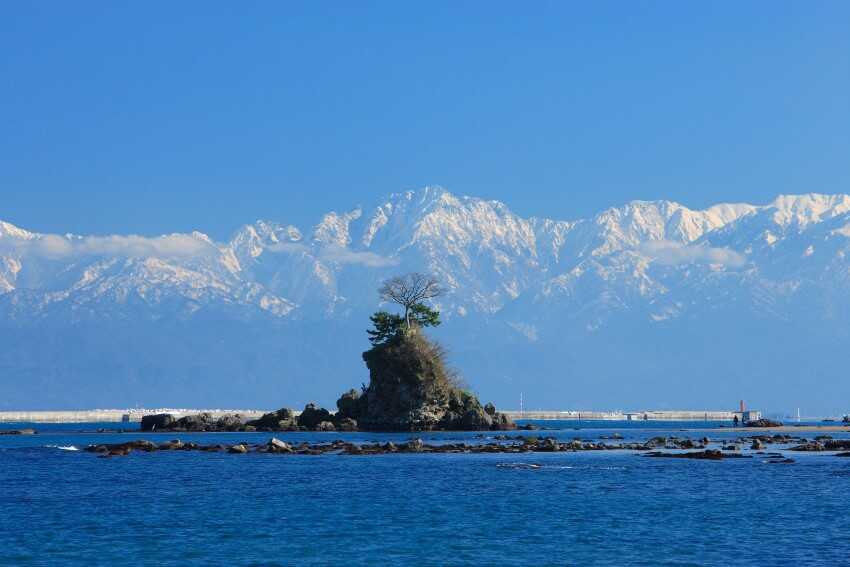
[[411, 387], [389, 325]]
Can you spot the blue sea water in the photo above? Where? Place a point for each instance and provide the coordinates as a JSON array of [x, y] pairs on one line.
[[60, 506]]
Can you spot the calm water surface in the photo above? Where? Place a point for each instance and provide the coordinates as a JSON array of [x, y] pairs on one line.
[[60, 506]]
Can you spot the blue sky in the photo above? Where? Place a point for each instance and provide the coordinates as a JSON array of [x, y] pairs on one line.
[[157, 117]]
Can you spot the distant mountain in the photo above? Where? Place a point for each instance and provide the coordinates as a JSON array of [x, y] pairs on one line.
[[650, 304]]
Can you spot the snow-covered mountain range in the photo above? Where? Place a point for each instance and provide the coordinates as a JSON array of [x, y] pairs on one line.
[[646, 304]]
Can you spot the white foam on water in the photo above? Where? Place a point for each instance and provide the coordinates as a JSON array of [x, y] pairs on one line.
[[63, 447]]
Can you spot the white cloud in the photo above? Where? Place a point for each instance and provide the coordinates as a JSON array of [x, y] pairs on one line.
[[336, 253], [288, 248], [346, 256], [672, 253], [53, 246]]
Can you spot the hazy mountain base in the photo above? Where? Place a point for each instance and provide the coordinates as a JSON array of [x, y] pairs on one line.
[[224, 362]]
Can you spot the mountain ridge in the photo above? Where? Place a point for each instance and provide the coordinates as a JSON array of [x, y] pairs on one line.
[[528, 286]]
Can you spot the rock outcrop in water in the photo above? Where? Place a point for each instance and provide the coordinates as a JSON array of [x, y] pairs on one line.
[[410, 389], [199, 422], [283, 419]]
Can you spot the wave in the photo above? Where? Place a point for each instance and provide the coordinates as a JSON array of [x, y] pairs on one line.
[[63, 447]]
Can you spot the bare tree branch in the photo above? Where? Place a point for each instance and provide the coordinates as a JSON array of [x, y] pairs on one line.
[[410, 289]]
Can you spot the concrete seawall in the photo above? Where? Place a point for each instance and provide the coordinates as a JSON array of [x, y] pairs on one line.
[[135, 415], [660, 415], [109, 416]]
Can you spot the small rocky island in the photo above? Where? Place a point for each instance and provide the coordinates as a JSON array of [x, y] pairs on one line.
[[410, 386]]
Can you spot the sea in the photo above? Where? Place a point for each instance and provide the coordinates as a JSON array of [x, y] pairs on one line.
[[60, 505]]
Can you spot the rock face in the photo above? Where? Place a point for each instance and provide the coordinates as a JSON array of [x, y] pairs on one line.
[[158, 421], [411, 390], [312, 416], [283, 419], [200, 422]]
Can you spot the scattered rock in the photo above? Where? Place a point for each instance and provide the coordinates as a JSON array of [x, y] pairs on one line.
[[811, 446], [18, 432], [278, 446], [708, 454], [763, 422]]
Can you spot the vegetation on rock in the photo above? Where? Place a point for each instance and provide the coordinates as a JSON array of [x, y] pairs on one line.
[[410, 386]]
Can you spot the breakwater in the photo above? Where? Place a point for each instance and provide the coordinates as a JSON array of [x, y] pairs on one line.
[[653, 415], [111, 415], [135, 415]]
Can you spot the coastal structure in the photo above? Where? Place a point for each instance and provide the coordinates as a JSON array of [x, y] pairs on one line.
[[135, 415], [652, 415], [111, 415]]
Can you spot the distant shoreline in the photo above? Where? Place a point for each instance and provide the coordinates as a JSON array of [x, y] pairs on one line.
[[112, 415], [135, 415]]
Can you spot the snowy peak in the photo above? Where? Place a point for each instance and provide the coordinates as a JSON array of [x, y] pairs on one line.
[[487, 256], [802, 210], [9, 230], [335, 229]]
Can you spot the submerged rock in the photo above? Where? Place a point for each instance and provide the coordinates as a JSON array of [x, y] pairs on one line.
[[708, 454], [763, 422]]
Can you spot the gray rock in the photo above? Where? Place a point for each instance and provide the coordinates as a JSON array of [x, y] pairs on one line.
[[349, 405], [313, 415], [281, 420], [278, 446], [157, 422], [346, 424]]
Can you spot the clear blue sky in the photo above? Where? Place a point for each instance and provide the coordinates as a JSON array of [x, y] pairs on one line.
[[153, 117]]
